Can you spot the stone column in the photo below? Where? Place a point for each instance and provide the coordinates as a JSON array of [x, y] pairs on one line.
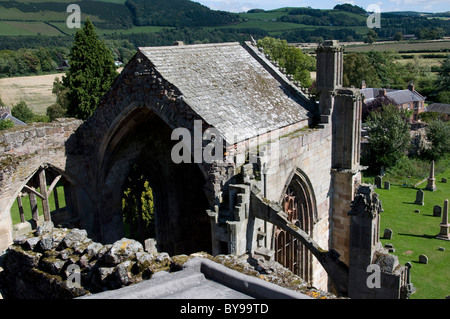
[[329, 75], [444, 233], [345, 152]]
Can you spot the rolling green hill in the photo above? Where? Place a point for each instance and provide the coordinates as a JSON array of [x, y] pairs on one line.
[[122, 18]]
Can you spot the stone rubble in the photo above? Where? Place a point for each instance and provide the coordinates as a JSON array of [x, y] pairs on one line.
[[36, 266]]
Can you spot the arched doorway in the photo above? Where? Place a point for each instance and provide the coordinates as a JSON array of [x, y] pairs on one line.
[[141, 146], [298, 203]]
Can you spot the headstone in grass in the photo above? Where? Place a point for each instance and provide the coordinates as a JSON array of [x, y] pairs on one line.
[[378, 181], [419, 197], [387, 233], [387, 185], [444, 180], [437, 211], [423, 259]]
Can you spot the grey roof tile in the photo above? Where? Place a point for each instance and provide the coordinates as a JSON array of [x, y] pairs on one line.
[[227, 81]]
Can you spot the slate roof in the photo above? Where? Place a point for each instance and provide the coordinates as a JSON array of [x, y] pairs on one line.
[[398, 96], [439, 107], [233, 87], [17, 122]]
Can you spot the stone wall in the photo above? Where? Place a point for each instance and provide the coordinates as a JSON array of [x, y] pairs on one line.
[[61, 263], [22, 151]]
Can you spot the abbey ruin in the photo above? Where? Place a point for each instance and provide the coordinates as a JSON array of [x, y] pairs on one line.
[[285, 185]]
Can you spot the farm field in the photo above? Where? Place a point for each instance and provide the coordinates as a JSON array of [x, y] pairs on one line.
[[36, 91], [413, 46]]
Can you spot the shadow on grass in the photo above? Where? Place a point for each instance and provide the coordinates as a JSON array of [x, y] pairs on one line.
[[412, 203], [421, 236]]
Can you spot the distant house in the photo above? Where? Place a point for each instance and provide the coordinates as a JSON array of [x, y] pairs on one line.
[[408, 99], [441, 108], [64, 65], [5, 114]]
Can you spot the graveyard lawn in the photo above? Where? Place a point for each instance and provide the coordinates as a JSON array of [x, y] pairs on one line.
[[414, 234]]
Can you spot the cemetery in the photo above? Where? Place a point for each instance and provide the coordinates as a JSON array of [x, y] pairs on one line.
[[414, 227]]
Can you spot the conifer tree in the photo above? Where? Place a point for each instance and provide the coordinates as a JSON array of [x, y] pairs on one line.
[[91, 72]]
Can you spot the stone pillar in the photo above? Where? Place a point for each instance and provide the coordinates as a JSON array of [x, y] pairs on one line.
[[329, 75], [431, 186], [346, 135], [444, 232]]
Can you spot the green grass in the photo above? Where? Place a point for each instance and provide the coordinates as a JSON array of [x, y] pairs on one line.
[[8, 29], [27, 209], [414, 234]]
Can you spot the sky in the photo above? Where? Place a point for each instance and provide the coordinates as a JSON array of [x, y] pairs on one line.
[[384, 5]]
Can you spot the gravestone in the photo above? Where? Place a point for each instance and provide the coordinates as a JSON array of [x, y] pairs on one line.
[[387, 185], [444, 231], [423, 259], [444, 180], [437, 211], [387, 233], [431, 185], [419, 197], [378, 181]]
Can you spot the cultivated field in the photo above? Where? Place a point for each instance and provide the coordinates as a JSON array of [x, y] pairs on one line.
[[413, 46], [36, 91]]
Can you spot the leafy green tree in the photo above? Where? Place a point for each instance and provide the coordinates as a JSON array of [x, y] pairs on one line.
[[444, 97], [91, 72], [357, 68], [438, 135], [443, 79], [389, 137], [23, 112], [138, 208], [398, 36], [371, 37], [6, 124], [289, 57]]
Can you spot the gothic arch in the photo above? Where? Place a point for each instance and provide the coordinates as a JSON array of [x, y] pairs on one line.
[[41, 185], [299, 203], [141, 137]]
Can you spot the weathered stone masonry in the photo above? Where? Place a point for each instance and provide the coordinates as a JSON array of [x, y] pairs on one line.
[[286, 158]]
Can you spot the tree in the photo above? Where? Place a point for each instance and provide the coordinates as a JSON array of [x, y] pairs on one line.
[[371, 37], [398, 36], [357, 68], [438, 135], [6, 124], [444, 97], [443, 79], [91, 72], [389, 137], [288, 56], [22, 112], [138, 208]]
